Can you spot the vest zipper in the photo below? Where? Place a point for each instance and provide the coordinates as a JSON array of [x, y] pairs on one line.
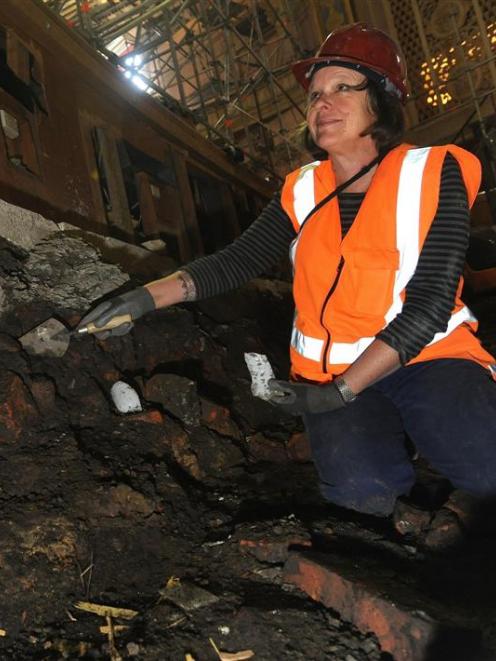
[[324, 305]]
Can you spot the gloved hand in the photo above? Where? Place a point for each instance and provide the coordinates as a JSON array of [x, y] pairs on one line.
[[135, 303], [299, 398]]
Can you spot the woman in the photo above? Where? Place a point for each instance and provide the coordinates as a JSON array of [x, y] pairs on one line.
[[382, 345]]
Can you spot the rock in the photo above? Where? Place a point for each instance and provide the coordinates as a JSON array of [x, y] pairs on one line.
[[125, 398], [22, 227], [410, 520], [65, 273], [47, 339], [133, 649], [273, 551], [116, 502], [218, 458], [445, 531], [9, 344], [469, 509], [187, 596], [177, 394]]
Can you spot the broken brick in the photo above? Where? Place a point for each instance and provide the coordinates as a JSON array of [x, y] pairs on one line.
[[43, 392], [17, 410], [299, 448], [152, 417], [178, 443], [218, 418], [262, 448], [373, 603]]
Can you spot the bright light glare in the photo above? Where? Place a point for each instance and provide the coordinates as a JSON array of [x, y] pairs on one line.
[[139, 82], [133, 60]]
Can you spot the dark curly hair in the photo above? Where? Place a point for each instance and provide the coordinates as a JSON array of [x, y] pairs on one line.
[[387, 131]]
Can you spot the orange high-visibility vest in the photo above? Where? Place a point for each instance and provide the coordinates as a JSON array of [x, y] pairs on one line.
[[346, 291]]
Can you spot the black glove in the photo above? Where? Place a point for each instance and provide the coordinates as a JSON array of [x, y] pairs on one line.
[[299, 398], [134, 303]]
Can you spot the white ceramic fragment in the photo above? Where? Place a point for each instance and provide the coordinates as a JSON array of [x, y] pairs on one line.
[[125, 398], [261, 372]]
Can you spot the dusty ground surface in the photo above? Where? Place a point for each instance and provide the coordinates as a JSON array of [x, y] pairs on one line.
[[163, 511]]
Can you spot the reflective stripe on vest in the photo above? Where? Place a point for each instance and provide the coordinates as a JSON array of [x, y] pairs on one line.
[[310, 347], [304, 201], [407, 242]]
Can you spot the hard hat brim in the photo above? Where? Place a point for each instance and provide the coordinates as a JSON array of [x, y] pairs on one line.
[[303, 71]]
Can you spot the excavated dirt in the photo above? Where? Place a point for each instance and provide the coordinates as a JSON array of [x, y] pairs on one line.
[[183, 512]]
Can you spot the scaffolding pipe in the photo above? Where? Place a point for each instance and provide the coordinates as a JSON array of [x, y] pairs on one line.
[[121, 18], [203, 14], [271, 85], [177, 69], [255, 55], [103, 13], [110, 36], [199, 88], [297, 48], [144, 48]]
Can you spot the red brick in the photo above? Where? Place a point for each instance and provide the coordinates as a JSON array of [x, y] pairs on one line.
[[374, 603], [218, 418], [152, 417], [262, 448], [184, 454], [111, 376], [299, 448], [16, 407], [43, 392]]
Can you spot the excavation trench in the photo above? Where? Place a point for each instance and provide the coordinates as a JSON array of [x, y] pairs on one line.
[[188, 511]]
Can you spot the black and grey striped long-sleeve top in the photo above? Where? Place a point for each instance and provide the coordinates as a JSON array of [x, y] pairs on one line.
[[429, 295]]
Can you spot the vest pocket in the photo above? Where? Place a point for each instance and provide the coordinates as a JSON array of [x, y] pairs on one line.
[[368, 280]]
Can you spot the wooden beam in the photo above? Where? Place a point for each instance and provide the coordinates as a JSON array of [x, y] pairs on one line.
[[54, 33], [190, 243]]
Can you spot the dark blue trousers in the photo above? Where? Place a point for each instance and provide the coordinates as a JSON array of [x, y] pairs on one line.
[[448, 410]]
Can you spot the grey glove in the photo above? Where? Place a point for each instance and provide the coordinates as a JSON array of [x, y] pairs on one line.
[[299, 398], [134, 304]]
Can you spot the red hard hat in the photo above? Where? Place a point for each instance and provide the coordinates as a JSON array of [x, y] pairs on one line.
[[365, 49]]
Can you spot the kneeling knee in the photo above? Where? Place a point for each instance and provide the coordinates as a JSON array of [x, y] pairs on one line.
[[368, 497]]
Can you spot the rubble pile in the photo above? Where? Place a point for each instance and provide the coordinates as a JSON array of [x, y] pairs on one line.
[[189, 523]]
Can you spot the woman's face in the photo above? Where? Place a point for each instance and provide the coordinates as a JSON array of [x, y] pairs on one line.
[[337, 114]]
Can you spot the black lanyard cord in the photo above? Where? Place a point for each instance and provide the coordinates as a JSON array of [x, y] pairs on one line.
[[341, 188]]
